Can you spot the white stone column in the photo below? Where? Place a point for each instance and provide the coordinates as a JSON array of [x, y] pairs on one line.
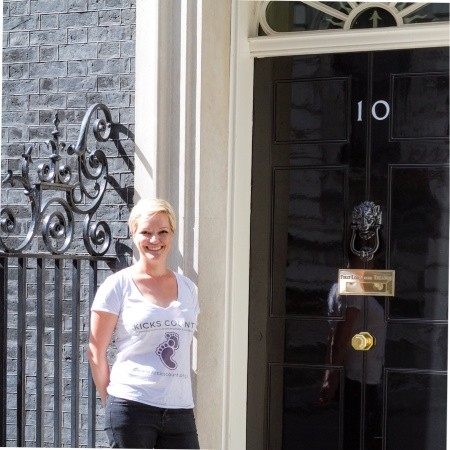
[[238, 226], [167, 147], [146, 99], [182, 137], [213, 171]]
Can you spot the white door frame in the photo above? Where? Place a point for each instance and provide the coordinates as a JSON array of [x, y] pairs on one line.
[[243, 52]]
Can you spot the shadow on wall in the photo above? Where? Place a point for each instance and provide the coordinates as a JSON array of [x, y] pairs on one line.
[[86, 186], [58, 223]]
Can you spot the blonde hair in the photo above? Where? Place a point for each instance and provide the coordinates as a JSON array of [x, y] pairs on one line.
[[148, 207]]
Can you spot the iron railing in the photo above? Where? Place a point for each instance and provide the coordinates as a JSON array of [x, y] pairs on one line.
[[60, 193], [45, 314], [47, 395]]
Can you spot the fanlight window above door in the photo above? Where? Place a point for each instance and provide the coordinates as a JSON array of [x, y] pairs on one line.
[[291, 16]]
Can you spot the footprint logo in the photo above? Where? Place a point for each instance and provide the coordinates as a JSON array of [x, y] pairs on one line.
[[167, 349]]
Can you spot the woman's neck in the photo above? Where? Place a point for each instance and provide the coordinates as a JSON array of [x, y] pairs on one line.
[[153, 270]]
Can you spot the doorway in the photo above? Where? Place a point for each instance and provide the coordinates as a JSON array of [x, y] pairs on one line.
[[331, 132]]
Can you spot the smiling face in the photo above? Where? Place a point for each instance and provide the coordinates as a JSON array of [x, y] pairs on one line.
[[153, 237]]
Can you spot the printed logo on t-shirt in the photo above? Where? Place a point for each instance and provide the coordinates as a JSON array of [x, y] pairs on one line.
[[166, 350]]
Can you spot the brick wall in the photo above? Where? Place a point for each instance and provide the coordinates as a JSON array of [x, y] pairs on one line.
[[63, 56]]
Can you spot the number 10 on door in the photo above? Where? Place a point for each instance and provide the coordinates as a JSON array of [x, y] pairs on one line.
[[380, 110]]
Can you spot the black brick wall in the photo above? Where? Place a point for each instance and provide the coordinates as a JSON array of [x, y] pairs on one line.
[[62, 56]]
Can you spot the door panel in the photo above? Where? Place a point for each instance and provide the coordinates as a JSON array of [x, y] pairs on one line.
[[313, 214], [309, 119], [419, 233], [412, 96], [415, 403], [331, 131]]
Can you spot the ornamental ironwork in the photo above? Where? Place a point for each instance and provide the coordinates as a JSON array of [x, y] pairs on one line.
[[276, 17], [61, 193], [366, 224]]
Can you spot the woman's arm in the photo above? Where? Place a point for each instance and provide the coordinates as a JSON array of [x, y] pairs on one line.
[[338, 344], [101, 331]]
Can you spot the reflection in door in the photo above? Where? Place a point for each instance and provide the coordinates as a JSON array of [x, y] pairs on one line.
[[318, 150], [363, 365]]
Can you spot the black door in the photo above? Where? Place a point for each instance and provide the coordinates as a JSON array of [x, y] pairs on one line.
[[330, 132]]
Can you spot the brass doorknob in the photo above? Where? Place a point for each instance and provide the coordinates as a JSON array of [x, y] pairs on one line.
[[363, 341]]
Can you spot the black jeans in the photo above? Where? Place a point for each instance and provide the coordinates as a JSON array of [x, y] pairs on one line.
[[132, 424]]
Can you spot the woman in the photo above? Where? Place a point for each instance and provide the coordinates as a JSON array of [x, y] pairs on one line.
[[153, 312]]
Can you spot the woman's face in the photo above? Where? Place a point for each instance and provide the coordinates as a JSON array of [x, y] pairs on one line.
[[153, 236]]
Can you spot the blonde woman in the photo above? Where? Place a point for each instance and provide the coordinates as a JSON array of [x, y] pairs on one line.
[[153, 313]]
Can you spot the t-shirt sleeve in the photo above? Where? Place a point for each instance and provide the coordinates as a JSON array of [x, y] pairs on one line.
[[193, 293], [195, 299], [108, 297], [355, 301]]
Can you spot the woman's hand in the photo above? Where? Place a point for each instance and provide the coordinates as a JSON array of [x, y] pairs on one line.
[[329, 386]]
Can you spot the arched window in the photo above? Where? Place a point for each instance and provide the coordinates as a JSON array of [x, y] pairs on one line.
[[291, 16]]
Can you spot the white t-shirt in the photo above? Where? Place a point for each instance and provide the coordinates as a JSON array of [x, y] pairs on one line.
[[375, 324], [153, 343]]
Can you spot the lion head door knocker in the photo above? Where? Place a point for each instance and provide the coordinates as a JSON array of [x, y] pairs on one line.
[[366, 223]]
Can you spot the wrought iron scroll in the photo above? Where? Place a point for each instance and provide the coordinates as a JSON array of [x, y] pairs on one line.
[[61, 192]]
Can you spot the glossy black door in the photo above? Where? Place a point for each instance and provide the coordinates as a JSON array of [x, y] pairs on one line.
[[331, 131]]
